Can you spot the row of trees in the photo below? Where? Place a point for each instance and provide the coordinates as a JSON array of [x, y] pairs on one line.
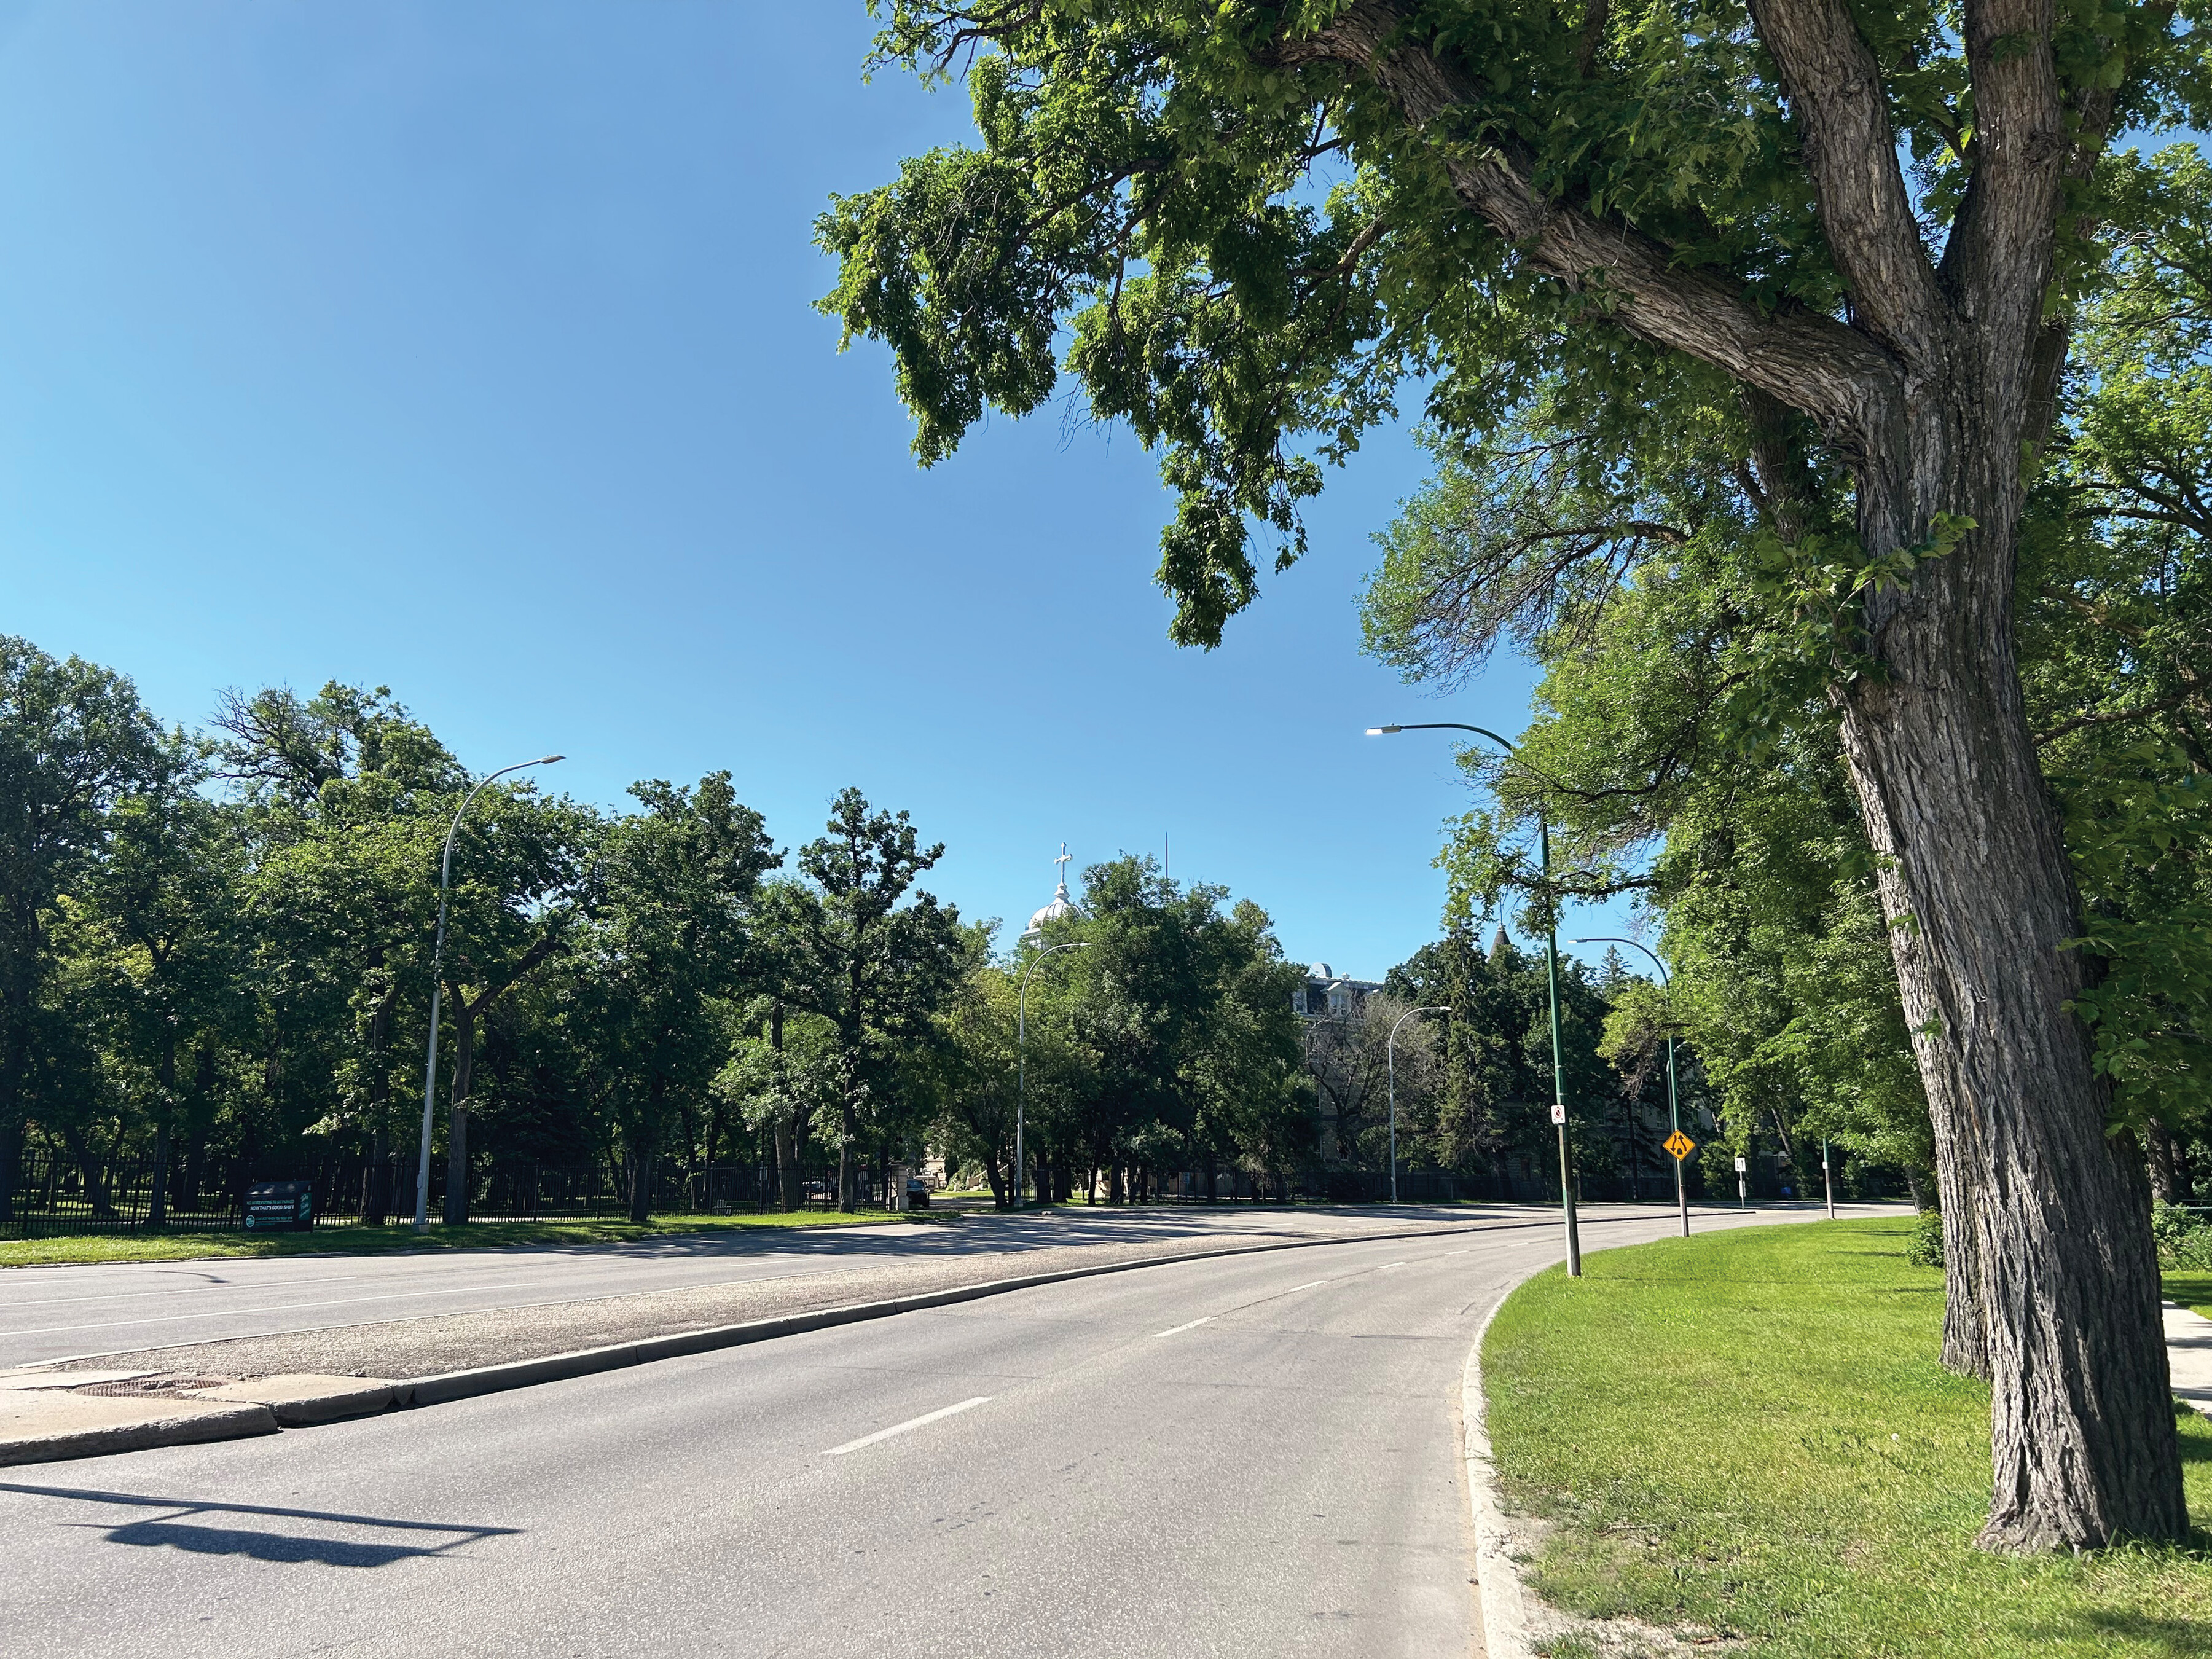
[[218, 948], [218, 954]]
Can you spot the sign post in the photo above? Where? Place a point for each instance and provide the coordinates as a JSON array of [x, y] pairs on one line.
[[1828, 1178], [1742, 1192]]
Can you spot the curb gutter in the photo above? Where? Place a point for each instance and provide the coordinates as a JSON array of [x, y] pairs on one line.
[[187, 1428], [198, 1426], [1505, 1631]]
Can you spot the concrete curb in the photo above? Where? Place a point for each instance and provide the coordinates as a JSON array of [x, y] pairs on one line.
[[1498, 1576], [230, 1423]]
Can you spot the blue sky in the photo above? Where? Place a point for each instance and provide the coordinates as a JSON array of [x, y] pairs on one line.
[[467, 349]]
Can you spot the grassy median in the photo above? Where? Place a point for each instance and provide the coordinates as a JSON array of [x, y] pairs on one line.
[[1746, 1436], [376, 1240]]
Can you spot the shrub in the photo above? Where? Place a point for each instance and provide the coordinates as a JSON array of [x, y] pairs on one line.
[[1925, 1247], [2184, 1239]]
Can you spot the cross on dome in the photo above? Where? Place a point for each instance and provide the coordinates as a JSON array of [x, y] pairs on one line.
[[1062, 907]]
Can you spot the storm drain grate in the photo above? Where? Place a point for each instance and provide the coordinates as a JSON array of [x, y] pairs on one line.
[[153, 1388]]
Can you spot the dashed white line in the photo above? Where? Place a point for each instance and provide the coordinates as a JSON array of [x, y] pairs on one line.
[[901, 1428], [1179, 1330], [1310, 1285], [1387, 1266]]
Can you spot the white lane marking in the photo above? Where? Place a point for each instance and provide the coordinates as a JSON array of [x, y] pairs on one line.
[[901, 1428], [1309, 1285], [1179, 1330], [1387, 1266]]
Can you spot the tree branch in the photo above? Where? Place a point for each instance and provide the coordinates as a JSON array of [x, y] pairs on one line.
[[1834, 86], [1829, 370]]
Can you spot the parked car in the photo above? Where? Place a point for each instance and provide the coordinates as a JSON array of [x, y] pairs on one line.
[[917, 1193]]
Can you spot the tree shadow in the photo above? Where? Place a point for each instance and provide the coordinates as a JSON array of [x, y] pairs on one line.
[[2181, 1639], [176, 1529], [994, 1232]]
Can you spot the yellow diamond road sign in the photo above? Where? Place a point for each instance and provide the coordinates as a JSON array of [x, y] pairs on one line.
[[1680, 1145]]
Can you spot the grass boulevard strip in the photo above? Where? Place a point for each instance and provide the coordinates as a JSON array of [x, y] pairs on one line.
[[1745, 1436]]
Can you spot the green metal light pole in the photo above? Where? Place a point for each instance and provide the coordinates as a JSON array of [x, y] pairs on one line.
[[1552, 980], [1673, 1101]]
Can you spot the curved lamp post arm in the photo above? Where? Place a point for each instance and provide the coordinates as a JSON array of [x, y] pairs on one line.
[[1390, 1060], [1022, 1044], [437, 987], [1551, 978]]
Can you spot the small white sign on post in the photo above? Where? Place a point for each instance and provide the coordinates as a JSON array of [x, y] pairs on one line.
[[1741, 1164], [1558, 1113]]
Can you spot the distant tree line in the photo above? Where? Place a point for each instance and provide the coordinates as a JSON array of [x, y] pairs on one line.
[[216, 950]]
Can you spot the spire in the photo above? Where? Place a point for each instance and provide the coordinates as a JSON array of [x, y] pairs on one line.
[[1060, 890]]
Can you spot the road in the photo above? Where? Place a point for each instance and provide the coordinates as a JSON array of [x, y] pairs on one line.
[[57, 1313], [1246, 1456]]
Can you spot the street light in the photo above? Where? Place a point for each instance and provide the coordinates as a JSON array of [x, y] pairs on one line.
[[1022, 1026], [438, 990], [1552, 977], [1390, 1058], [1674, 1105]]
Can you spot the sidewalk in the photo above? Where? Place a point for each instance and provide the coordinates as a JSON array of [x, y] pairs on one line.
[[2189, 1356]]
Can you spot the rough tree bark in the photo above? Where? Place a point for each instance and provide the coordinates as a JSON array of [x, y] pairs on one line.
[[2169, 1166], [1929, 393]]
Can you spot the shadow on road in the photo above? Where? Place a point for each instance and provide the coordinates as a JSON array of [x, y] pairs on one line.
[[177, 1530], [991, 1232]]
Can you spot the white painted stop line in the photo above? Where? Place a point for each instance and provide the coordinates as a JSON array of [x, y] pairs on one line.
[[901, 1428]]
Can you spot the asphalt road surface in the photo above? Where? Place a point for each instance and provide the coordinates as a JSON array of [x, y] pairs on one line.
[[1247, 1457], [58, 1312]]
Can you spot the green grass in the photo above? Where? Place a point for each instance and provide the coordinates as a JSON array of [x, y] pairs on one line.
[[1747, 1433], [374, 1240], [2192, 1289]]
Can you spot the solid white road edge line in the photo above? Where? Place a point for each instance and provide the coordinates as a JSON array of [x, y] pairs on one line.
[[1179, 1330], [901, 1428]]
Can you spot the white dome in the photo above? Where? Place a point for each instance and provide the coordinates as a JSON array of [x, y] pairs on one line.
[[1320, 970], [1062, 908]]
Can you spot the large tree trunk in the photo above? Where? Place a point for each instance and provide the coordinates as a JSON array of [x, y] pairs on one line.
[[787, 1193], [643, 1152], [847, 1174], [2169, 1171], [2046, 1222], [375, 1181]]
